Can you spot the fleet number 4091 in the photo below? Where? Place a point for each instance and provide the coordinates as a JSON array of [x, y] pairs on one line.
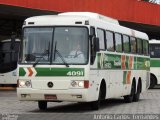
[[75, 73]]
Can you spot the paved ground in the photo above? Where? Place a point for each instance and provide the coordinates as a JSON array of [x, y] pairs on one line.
[[149, 104]]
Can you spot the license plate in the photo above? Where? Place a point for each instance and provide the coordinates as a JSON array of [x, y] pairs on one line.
[[50, 97]]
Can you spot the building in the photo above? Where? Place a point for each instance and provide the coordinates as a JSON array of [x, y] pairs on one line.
[[136, 14]]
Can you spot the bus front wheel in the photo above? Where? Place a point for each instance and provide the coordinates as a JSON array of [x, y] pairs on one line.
[[42, 105], [96, 104]]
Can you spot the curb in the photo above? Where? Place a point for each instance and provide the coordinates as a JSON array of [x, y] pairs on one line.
[[8, 88]]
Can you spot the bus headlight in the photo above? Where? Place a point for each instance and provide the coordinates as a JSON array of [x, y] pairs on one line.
[[21, 83], [25, 83], [79, 84]]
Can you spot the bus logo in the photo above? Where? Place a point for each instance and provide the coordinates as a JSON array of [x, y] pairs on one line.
[[50, 84]]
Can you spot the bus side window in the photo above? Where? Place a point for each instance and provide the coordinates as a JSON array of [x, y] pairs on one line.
[[101, 36], [139, 46], [126, 44], [145, 47], [110, 41], [133, 45], [118, 42]]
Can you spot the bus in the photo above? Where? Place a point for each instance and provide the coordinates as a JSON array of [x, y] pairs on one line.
[[155, 62], [110, 60], [8, 62]]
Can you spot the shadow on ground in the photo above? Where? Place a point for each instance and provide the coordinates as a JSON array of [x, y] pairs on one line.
[[81, 107], [156, 87]]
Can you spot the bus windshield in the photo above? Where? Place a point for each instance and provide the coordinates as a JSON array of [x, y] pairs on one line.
[[55, 45], [155, 50], [8, 56]]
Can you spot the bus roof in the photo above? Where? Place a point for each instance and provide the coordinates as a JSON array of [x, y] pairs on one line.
[[154, 41], [91, 15], [70, 17], [94, 19]]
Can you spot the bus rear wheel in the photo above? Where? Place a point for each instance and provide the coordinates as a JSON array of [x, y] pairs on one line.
[[152, 82], [129, 98], [42, 105], [137, 94]]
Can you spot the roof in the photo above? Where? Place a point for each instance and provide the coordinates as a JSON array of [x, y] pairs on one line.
[[154, 41], [91, 15], [70, 17]]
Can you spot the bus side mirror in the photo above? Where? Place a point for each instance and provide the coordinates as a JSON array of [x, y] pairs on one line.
[[96, 44], [13, 39]]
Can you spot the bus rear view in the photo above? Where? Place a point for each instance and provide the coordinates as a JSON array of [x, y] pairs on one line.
[[8, 62]]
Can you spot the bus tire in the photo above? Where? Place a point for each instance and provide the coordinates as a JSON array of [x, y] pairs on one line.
[[137, 94], [96, 104], [152, 82], [102, 94], [42, 105], [129, 98]]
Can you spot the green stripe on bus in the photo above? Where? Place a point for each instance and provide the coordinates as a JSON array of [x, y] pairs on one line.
[[22, 72], [155, 63], [111, 61], [42, 72]]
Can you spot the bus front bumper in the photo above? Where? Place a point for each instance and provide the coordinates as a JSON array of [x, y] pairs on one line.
[[74, 95]]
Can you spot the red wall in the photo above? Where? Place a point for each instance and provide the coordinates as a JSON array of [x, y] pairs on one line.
[[126, 10]]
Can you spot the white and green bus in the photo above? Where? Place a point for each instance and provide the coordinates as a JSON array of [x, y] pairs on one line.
[[111, 61], [8, 62], [154, 62]]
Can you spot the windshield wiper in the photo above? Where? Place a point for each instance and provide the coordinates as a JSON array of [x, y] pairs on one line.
[[56, 51], [45, 53]]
